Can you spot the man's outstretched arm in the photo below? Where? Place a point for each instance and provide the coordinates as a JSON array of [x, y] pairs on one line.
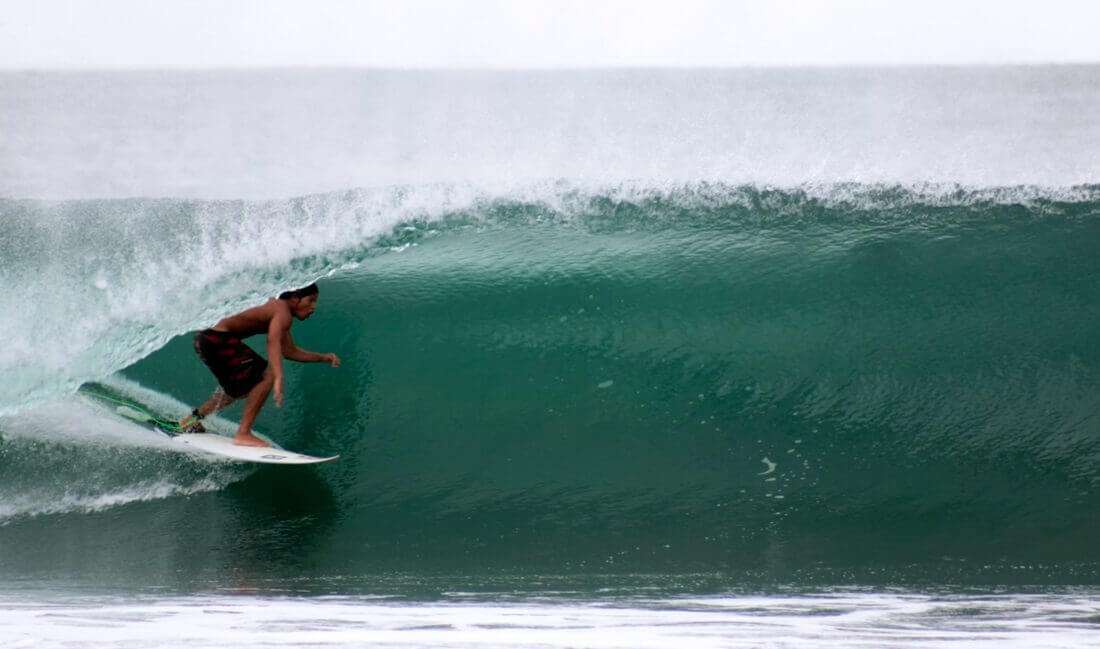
[[295, 353]]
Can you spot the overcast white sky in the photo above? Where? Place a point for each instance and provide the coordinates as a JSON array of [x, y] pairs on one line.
[[542, 33]]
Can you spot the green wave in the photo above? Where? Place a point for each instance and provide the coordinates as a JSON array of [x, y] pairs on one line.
[[851, 380]]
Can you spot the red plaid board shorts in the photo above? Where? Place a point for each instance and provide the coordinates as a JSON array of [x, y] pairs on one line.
[[236, 366]]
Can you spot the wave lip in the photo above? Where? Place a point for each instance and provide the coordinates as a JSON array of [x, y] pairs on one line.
[[125, 276]]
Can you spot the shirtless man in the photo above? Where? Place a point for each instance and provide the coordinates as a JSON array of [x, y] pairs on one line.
[[241, 372]]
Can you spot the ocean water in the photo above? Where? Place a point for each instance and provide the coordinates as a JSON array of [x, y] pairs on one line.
[[644, 358]]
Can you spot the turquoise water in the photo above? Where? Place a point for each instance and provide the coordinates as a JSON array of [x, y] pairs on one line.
[[712, 378], [573, 390]]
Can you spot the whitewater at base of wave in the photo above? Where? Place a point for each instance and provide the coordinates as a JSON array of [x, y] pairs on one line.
[[70, 620]]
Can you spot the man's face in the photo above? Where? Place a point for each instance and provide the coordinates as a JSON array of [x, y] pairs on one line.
[[305, 307]]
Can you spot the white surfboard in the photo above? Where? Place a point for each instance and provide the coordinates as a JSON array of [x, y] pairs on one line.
[[224, 447], [220, 446]]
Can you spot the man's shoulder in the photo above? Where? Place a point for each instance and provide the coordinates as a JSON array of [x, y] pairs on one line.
[[270, 309], [279, 312]]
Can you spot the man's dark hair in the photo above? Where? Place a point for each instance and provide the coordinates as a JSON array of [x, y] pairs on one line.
[[305, 291]]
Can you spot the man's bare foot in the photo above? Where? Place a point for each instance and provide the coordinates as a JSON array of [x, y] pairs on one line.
[[248, 439]]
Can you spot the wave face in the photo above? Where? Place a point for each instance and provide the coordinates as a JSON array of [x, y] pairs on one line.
[[872, 382]]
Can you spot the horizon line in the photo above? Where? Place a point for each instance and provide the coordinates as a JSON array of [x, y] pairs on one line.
[[540, 68]]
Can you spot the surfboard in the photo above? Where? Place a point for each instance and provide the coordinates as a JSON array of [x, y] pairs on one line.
[[223, 446], [209, 444]]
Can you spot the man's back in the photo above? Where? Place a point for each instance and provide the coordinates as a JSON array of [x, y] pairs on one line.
[[250, 322]]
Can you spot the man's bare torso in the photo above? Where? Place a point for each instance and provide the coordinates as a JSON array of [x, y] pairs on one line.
[[253, 321]]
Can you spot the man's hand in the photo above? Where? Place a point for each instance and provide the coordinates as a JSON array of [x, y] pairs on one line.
[[279, 392], [332, 359]]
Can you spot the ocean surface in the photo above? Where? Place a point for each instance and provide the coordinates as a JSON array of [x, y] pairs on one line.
[[760, 358]]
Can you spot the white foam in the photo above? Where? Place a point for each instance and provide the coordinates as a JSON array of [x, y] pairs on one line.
[[69, 455], [97, 286], [810, 621], [40, 504]]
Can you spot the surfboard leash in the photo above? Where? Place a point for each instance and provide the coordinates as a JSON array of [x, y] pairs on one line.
[[168, 426]]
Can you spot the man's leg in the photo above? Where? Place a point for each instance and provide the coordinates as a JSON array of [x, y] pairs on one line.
[[216, 402], [255, 400]]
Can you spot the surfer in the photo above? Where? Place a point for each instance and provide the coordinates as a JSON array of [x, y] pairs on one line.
[[241, 372]]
